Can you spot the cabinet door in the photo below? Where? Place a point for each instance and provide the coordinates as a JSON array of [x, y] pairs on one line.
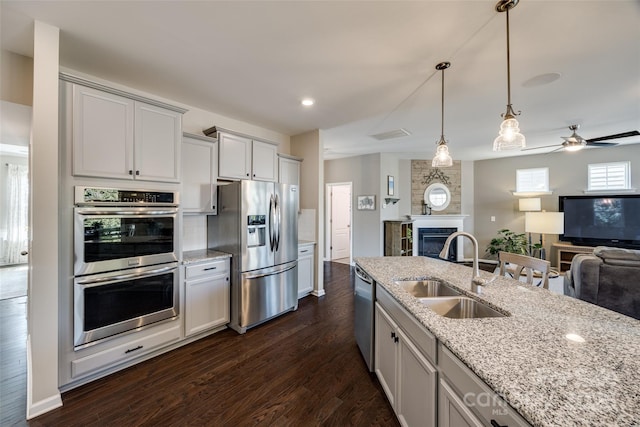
[[385, 357], [234, 159], [417, 386], [452, 412], [158, 134], [264, 164], [288, 171], [199, 175], [305, 270], [206, 303], [102, 134]]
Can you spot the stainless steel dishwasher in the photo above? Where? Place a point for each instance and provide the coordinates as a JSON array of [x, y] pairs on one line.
[[364, 300]]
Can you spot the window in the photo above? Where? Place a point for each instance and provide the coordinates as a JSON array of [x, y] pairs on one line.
[[532, 180], [609, 176]]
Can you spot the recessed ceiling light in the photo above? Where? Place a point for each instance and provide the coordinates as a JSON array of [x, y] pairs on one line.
[[542, 79], [308, 102]]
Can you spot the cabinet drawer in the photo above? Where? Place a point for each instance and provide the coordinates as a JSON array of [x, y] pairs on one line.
[[125, 351], [478, 396], [305, 251], [207, 268]]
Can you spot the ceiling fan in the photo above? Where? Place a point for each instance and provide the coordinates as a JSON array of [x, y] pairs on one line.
[[575, 142]]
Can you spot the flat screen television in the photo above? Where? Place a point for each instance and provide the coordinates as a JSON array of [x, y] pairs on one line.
[[601, 220]]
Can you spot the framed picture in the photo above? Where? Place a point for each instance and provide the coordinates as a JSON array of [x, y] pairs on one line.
[[390, 185], [367, 203]]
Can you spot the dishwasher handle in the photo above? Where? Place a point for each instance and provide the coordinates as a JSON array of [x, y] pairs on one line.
[[362, 275]]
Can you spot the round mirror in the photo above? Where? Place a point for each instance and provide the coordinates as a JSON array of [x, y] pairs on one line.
[[437, 196]]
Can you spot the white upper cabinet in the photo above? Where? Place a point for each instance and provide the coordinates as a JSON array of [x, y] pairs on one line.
[[244, 158], [288, 170], [157, 143], [235, 156], [119, 137], [264, 161], [199, 174], [102, 133]]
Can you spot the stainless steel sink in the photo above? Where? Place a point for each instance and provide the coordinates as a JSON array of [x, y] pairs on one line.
[[427, 288], [460, 307]]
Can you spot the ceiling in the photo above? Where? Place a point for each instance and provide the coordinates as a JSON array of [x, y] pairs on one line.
[[370, 65]]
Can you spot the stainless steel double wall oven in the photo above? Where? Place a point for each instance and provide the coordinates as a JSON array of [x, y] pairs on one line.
[[125, 261]]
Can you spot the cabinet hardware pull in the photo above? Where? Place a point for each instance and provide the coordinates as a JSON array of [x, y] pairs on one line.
[[133, 349], [393, 335], [137, 172], [494, 423], [395, 339], [130, 172], [210, 268], [306, 250]]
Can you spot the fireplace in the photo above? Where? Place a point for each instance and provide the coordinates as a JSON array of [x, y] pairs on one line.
[[431, 241]]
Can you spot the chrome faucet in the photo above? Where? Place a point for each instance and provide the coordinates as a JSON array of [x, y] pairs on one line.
[[476, 280]]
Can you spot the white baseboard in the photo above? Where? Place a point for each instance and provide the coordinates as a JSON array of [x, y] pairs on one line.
[[44, 405]]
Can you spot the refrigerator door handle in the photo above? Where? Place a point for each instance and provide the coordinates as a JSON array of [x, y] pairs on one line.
[[278, 222], [272, 239], [273, 273]]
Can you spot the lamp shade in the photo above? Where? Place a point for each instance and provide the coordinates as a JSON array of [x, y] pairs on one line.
[[544, 222], [531, 204]]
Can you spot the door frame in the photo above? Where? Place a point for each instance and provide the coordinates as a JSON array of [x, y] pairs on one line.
[[327, 219]]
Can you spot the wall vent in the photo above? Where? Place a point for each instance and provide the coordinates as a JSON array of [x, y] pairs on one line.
[[391, 134]]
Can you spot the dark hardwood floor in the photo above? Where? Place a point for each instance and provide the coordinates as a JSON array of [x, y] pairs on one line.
[[300, 369]]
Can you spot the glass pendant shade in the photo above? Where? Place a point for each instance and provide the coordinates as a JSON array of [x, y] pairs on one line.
[[442, 158], [509, 136]]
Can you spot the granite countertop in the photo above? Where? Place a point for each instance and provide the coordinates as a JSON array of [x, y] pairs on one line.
[[190, 257], [525, 357]]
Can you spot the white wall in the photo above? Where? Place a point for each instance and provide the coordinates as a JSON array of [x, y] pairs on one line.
[[42, 344], [496, 179], [364, 173], [310, 147]]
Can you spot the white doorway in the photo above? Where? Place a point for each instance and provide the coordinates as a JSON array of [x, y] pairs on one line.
[[338, 222]]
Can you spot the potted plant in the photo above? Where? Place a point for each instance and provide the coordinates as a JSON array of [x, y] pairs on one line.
[[509, 241]]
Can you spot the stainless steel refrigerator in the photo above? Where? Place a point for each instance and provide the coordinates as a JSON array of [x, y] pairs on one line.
[[257, 223]]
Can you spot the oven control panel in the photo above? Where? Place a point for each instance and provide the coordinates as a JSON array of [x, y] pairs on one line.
[[115, 197]]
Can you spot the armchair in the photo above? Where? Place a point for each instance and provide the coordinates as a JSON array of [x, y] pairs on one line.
[[609, 277]]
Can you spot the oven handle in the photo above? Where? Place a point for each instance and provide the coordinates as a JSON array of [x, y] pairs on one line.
[[124, 212], [126, 276]]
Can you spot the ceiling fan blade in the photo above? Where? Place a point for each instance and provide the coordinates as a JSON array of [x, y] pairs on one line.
[[601, 144], [544, 146], [615, 136]]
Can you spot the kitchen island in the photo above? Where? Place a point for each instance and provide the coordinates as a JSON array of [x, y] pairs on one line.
[[526, 357]]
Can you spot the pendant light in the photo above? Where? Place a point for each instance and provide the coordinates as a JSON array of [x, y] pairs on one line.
[[509, 136], [442, 158]]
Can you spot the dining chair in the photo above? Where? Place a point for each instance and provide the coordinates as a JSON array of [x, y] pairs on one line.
[[518, 263]]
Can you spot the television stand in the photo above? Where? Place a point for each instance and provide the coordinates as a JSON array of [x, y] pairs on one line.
[[566, 252]]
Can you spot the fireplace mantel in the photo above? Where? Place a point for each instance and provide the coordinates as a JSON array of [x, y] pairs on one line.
[[427, 221]]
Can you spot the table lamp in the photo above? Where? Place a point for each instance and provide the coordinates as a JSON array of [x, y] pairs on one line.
[[544, 223]]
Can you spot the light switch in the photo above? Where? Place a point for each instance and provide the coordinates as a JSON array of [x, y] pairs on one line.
[[493, 218]]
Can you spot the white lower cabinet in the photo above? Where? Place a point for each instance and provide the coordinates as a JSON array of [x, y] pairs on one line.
[[407, 377], [305, 269], [452, 412], [466, 400], [206, 296]]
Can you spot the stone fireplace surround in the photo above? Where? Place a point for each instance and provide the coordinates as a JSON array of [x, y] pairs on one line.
[[438, 221]]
